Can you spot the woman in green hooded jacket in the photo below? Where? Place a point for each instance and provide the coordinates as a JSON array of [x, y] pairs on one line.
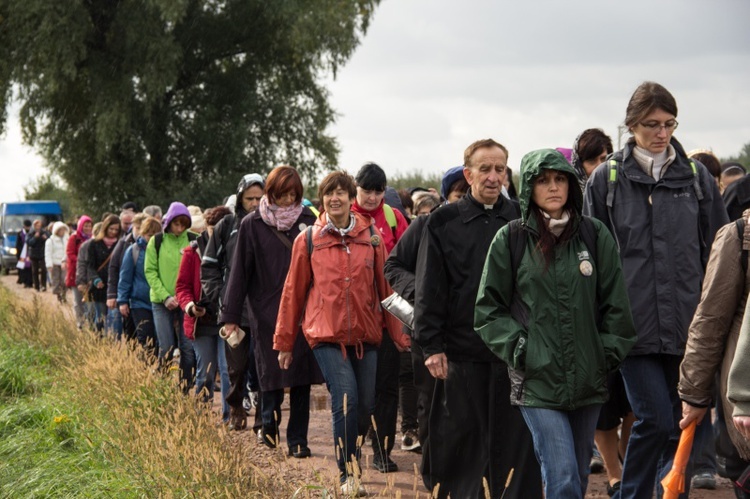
[[560, 320]]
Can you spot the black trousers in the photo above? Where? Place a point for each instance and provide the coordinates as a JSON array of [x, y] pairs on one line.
[[299, 415], [239, 360], [386, 396], [475, 434], [39, 273], [424, 384], [407, 392]]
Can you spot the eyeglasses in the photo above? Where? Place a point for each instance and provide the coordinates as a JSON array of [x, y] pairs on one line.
[[655, 126]]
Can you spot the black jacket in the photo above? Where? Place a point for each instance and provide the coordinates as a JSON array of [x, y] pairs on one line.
[[116, 262], [737, 197], [97, 255], [216, 263], [449, 267], [35, 241], [402, 262]]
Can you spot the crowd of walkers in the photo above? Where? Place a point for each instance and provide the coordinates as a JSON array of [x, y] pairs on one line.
[[526, 336]]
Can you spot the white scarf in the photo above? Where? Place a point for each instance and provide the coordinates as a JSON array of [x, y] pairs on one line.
[[557, 226]]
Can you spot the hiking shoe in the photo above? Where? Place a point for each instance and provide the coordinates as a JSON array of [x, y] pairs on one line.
[[704, 480], [352, 488], [612, 489], [384, 466], [597, 463], [267, 439], [409, 441]]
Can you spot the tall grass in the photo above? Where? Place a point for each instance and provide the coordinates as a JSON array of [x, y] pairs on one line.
[[86, 417]]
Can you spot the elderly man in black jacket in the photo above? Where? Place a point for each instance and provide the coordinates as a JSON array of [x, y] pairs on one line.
[[474, 432]]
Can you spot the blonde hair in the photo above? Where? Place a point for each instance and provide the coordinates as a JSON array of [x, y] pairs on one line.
[[150, 227]]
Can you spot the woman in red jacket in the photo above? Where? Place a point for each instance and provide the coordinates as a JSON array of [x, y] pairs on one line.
[[335, 283], [200, 318], [85, 227]]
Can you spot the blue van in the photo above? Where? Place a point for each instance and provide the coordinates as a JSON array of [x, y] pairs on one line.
[[12, 216]]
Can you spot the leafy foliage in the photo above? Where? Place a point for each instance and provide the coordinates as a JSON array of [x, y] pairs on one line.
[[165, 100], [743, 157]]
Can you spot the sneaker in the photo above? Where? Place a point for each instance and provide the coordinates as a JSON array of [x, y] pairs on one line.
[[246, 404], [704, 480], [259, 436], [597, 463], [352, 488], [254, 398], [387, 466], [409, 441]]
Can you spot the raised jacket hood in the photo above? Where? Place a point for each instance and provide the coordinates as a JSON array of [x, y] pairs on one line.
[[81, 222], [175, 210], [546, 159]]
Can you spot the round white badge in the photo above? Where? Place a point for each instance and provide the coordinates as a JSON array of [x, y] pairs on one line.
[[586, 268], [302, 226]]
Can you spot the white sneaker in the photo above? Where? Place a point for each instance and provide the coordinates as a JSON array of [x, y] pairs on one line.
[[352, 488]]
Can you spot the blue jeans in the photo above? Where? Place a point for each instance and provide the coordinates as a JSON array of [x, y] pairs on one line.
[[563, 443], [354, 378], [209, 355], [651, 385], [171, 335], [100, 315], [114, 322]]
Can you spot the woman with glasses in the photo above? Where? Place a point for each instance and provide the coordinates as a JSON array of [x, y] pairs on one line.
[[663, 210]]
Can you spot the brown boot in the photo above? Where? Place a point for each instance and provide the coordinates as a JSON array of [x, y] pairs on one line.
[[237, 418]]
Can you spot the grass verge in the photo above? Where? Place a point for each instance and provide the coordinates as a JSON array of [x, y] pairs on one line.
[[86, 417]]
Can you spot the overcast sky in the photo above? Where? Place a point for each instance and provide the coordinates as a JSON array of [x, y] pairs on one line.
[[430, 77]]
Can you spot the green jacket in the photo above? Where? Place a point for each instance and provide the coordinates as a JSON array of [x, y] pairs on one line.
[[561, 359], [162, 274]]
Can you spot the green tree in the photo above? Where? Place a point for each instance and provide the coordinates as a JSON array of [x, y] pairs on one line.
[[743, 157], [49, 187], [161, 100]]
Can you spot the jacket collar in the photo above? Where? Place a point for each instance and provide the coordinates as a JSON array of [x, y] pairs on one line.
[[678, 172], [469, 209]]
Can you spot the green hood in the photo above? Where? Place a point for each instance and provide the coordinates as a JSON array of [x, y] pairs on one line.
[[546, 159]]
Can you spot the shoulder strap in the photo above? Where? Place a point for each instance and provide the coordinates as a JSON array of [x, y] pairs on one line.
[[740, 222], [588, 234], [308, 237], [135, 251], [158, 238], [696, 181], [285, 240], [390, 217], [517, 245], [612, 182]]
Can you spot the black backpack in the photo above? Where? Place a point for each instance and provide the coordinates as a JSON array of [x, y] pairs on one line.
[[518, 241]]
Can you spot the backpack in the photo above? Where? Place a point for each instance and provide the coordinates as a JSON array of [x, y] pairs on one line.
[[390, 217], [740, 223], [159, 238], [517, 243], [615, 164]]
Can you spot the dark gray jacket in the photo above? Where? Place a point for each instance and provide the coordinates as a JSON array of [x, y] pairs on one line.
[[665, 234]]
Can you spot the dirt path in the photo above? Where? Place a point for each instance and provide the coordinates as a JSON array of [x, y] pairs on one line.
[[320, 469]]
